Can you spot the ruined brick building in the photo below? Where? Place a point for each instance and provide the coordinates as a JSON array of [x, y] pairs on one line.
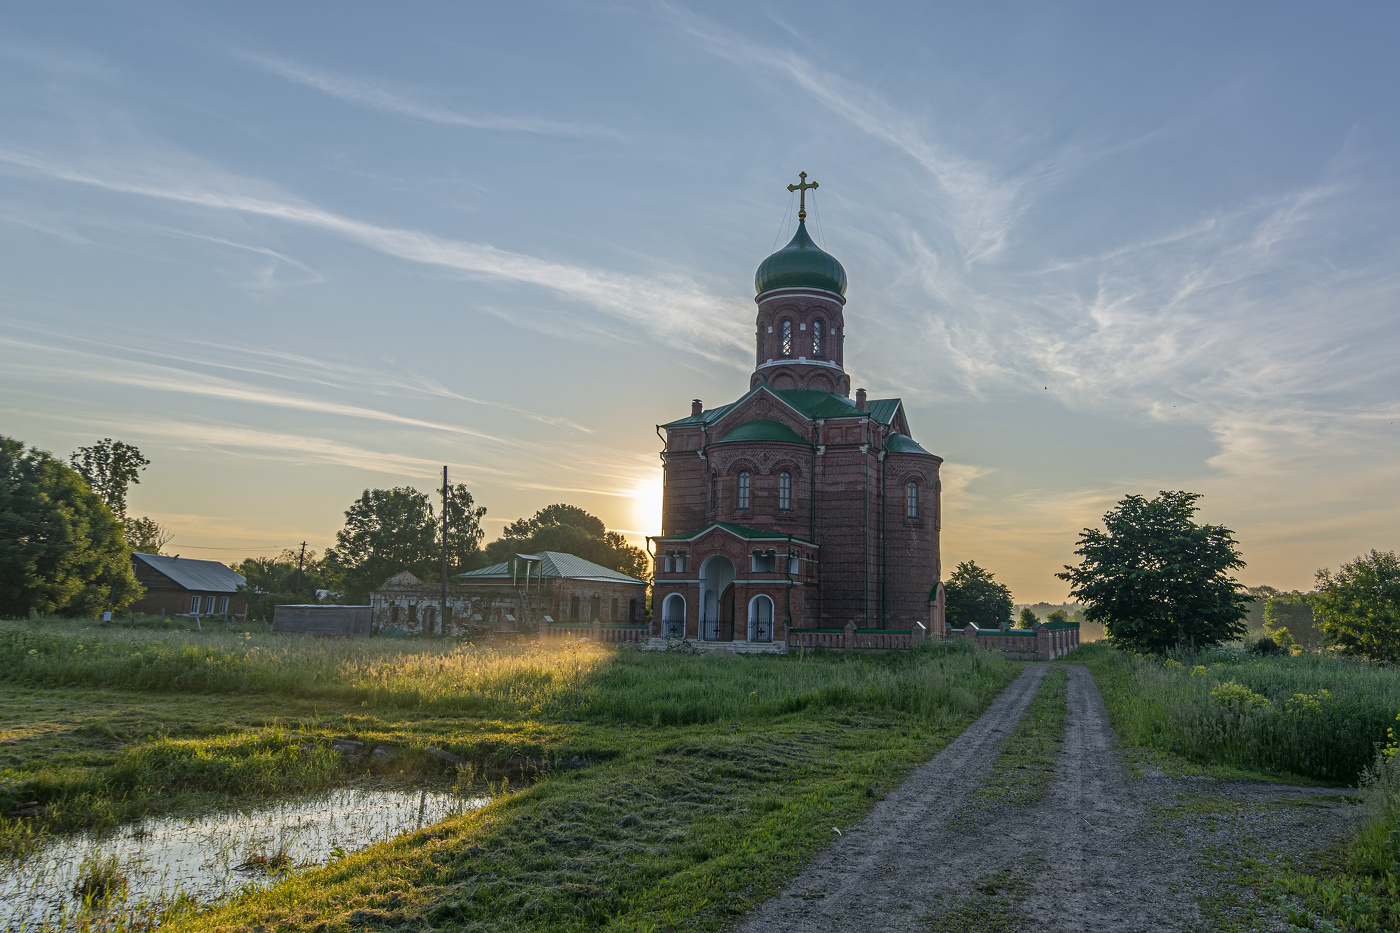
[[796, 507]]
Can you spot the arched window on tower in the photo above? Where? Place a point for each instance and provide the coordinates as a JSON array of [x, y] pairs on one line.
[[911, 500], [816, 340], [785, 491], [741, 498], [787, 338]]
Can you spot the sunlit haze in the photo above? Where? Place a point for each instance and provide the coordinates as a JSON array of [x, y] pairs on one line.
[[293, 251]]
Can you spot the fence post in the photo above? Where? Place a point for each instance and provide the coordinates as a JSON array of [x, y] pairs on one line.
[[850, 639]]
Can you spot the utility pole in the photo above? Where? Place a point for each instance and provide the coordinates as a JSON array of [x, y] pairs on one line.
[[444, 613], [301, 559]]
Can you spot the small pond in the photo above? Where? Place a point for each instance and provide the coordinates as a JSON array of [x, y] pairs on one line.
[[211, 856]]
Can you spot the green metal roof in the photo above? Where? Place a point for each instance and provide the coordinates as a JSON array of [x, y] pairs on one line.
[[800, 264], [883, 409], [740, 531], [899, 444], [553, 565], [763, 429], [812, 403]]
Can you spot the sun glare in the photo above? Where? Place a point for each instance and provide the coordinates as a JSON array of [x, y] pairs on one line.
[[646, 504]]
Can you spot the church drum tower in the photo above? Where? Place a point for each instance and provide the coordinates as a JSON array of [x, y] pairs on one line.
[[795, 506]]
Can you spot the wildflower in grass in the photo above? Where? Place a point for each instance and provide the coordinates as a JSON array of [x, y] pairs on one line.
[[1198, 671], [1392, 746], [1238, 696], [1305, 703], [1172, 664]]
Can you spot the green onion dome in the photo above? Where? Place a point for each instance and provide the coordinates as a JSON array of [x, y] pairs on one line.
[[801, 264]]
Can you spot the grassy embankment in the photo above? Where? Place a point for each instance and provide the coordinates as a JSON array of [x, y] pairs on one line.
[[708, 780], [1230, 714]]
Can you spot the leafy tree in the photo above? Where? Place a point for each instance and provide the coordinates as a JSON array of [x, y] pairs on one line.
[[464, 532], [61, 548], [972, 596], [276, 581], [1288, 620], [1058, 617], [110, 468], [1027, 619], [386, 531], [569, 529], [146, 535], [1358, 607], [1156, 579]]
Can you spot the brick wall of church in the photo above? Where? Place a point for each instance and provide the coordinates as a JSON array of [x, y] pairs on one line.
[[912, 564]]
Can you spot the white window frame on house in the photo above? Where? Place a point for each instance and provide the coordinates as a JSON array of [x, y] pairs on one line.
[[911, 499], [223, 605], [195, 603], [742, 490], [785, 491]]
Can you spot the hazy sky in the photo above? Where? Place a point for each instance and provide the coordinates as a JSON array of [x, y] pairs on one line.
[[292, 251]]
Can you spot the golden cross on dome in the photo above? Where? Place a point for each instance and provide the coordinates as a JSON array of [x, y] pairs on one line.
[[802, 207]]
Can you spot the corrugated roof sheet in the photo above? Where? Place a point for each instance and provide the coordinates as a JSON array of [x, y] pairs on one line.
[[883, 409], [555, 565], [206, 575]]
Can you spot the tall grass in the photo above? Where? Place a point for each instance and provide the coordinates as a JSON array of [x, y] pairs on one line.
[[580, 681], [1313, 716]]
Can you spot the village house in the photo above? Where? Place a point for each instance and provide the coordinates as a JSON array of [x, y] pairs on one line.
[[528, 593], [184, 586]]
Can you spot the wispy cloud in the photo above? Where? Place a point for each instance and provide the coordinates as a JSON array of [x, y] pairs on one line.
[[386, 98], [670, 307]]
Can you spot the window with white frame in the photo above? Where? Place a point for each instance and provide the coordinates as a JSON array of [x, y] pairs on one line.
[[194, 605], [223, 605], [911, 499], [787, 338], [680, 562], [784, 491], [741, 498]]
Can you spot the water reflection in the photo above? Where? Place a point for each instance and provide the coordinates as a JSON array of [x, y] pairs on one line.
[[208, 857]]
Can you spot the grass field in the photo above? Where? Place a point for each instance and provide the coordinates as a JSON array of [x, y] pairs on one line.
[[707, 780], [1230, 714]]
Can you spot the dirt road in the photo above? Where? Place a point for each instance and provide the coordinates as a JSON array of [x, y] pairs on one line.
[[1100, 851]]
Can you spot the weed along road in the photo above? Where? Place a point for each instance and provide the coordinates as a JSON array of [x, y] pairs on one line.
[[957, 848]]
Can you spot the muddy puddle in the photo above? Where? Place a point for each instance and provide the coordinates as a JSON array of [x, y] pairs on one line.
[[209, 857]]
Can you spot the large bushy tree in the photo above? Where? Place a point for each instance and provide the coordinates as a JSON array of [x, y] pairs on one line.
[[1156, 579], [111, 468], [61, 548], [1358, 607], [1288, 620], [971, 595], [572, 530], [389, 530]]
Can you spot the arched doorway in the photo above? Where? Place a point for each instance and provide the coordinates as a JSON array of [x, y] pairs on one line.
[[673, 616], [716, 596], [761, 619]]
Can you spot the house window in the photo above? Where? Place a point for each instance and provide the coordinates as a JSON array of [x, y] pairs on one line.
[[785, 490], [742, 499], [632, 611], [787, 338], [594, 611], [574, 609], [614, 609], [223, 605], [911, 500], [194, 605], [816, 340]]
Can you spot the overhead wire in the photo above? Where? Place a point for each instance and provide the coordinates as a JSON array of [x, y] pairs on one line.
[[783, 224]]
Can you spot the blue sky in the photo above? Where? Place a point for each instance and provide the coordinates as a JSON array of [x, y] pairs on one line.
[[294, 251]]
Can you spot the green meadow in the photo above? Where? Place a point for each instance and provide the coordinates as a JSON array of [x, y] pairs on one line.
[[631, 790]]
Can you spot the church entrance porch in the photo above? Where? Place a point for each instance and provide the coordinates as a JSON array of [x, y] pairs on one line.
[[717, 599]]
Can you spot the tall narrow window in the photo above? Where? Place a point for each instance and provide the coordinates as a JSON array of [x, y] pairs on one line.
[[714, 490], [785, 490], [787, 338], [816, 340], [594, 610], [741, 500], [573, 608], [194, 605], [911, 499], [613, 617]]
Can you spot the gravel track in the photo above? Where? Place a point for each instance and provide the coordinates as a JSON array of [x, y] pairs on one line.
[[1101, 850]]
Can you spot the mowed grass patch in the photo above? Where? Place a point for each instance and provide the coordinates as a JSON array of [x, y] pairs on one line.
[[1025, 766]]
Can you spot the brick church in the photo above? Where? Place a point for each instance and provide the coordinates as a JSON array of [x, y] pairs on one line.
[[797, 507]]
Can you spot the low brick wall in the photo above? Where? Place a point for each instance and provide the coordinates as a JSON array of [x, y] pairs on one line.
[[613, 633], [623, 633], [851, 638], [569, 630]]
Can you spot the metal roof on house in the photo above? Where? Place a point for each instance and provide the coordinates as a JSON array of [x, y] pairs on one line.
[[763, 429], [810, 403], [552, 565], [204, 575]]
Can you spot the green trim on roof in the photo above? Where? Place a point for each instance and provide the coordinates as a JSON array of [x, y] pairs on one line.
[[763, 429], [740, 531], [900, 444]]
